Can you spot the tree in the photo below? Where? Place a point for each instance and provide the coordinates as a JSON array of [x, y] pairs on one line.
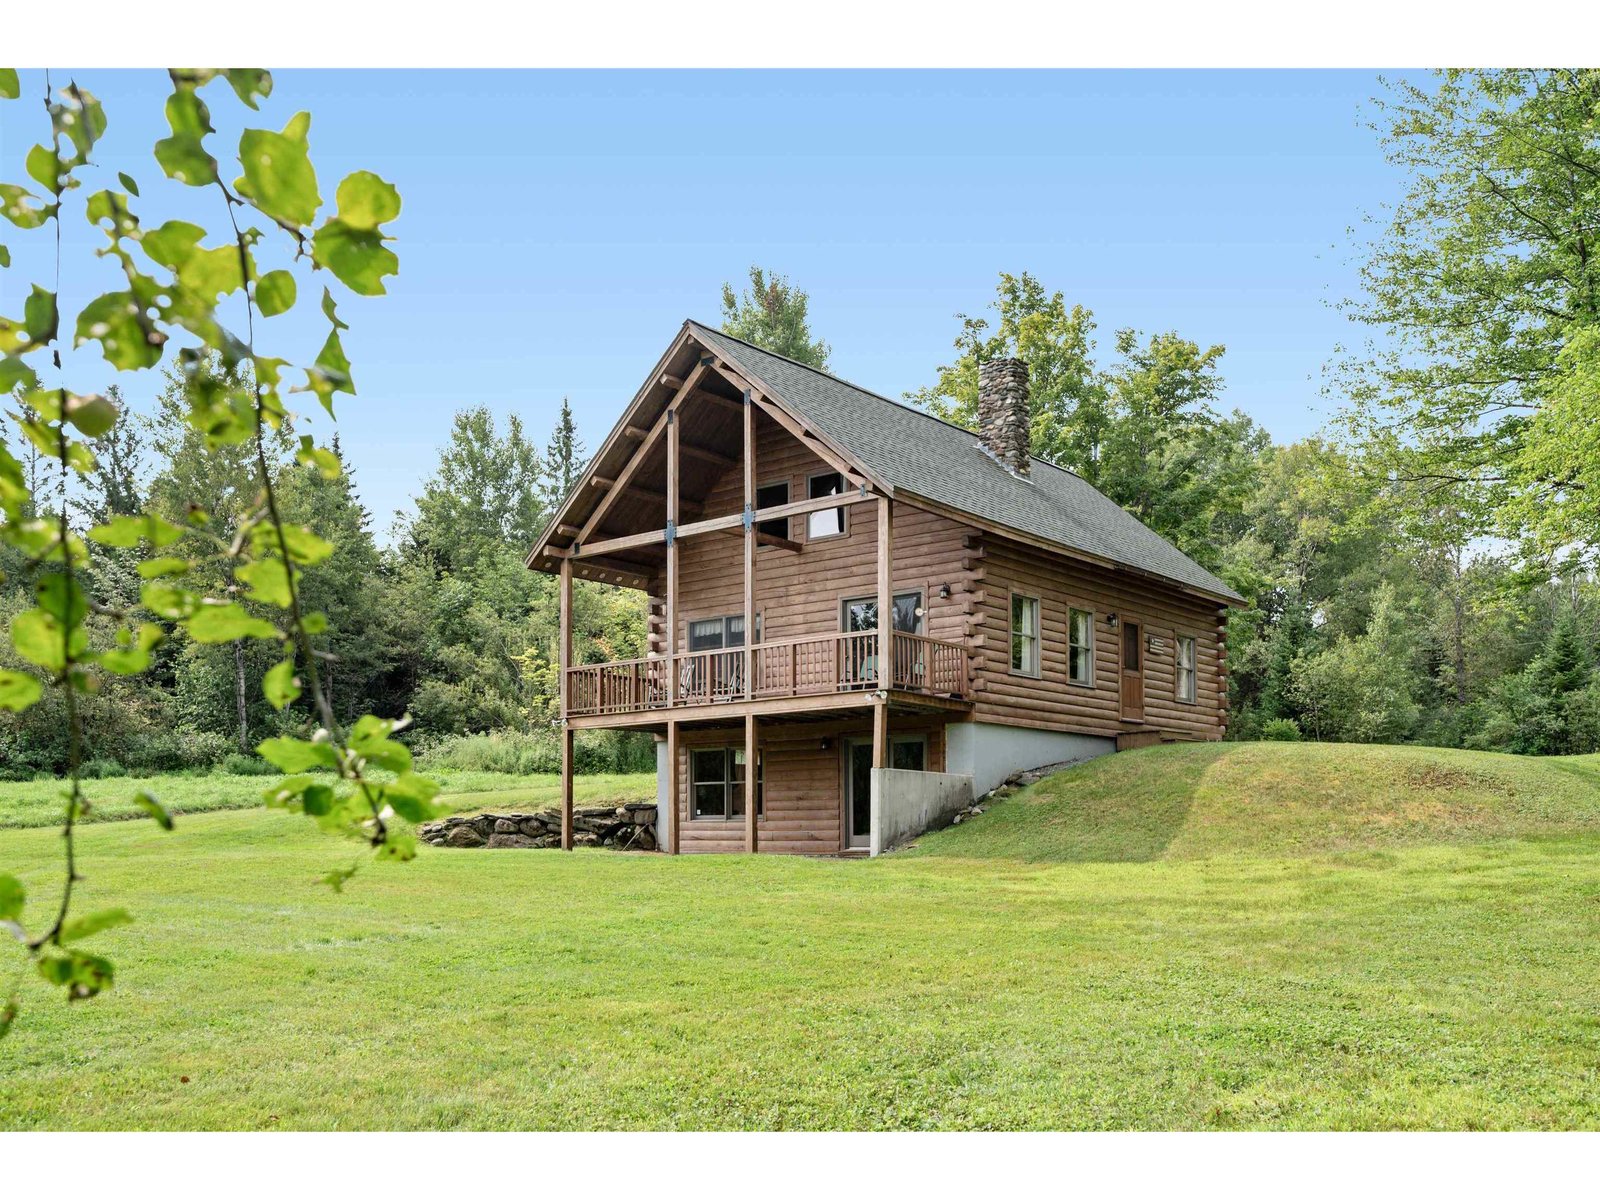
[[1067, 394], [485, 494], [1483, 290], [771, 314], [564, 460], [1362, 689]]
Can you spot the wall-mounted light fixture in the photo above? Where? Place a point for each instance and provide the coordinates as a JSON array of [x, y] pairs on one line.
[[944, 591], [1111, 620]]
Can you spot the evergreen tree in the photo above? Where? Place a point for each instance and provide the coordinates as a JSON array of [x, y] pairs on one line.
[[564, 459]]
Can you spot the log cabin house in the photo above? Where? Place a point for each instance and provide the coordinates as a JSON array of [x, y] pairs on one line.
[[773, 514]]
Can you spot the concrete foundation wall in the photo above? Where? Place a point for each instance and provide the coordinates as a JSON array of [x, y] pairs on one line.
[[991, 753], [663, 826], [906, 803]]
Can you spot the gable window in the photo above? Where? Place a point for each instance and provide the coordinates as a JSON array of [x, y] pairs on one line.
[[829, 522], [770, 495], [1025, 635], [1186, 671], [1080, 646], [716, 783]]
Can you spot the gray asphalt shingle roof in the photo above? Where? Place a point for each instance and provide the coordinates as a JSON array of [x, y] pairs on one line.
[[919, 454]]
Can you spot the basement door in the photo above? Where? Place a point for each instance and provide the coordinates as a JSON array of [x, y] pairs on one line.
[[1132, 671], [909, 753]]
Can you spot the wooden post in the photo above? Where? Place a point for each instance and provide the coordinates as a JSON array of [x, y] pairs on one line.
[[672, 569], [750, 753], [672, 785], [566, 729], [750, 555], [880, 711]]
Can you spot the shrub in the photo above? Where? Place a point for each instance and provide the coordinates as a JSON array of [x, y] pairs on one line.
[[1280, 729], [510, 752], [247, 764], [170, 751], [103, 768]]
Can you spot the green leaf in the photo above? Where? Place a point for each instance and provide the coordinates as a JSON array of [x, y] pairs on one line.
[[5, 259], [127, 338], [275, 293], [369, 738], [127, 531], [305, 548], [156, 568], [365, 201], [183, 156], [280, 686], [44, 168], [37, 636], [39, 316], [331, 310], [357, 257], [89, 924], [293, 755], [18, 691], [398, 847], [278, 175], [156, 810], [269, 581], [324, 460], [127, 182], [62, 596], [411, 795], [92, 416], [213, 624], [10, 88], [168, 600], [12, 897], [83, 975], [132, 654], [248, 83], [337, 878], [15, 207]]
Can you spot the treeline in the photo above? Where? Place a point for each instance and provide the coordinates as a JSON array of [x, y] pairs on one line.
[[445, 623]]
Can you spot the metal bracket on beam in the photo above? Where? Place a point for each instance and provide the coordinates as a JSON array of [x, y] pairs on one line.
[[707, 360], [749, 398], [671, 532], [863, 489], [749, 518], [672, 416]]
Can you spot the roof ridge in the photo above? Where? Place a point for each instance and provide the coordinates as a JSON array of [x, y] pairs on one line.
[[911, 408]]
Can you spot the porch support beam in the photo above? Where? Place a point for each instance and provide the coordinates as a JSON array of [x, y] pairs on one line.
[[670, 534], [880, 712], [822, 449], [672, 789], [566, 729], [752, 753]]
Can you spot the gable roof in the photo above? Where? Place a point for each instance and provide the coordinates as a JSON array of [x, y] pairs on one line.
[[919, 455]]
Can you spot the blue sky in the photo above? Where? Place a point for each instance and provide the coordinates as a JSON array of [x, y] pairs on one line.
[[558, 227]]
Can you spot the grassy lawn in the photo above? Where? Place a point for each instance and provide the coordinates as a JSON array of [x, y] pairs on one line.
[[29, 805], [1182, 937]]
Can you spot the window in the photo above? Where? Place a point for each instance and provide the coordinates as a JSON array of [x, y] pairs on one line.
[[716, 783], [1080, 646], [830, 521], [1025, 635], [770, 495], [718, 633], [861, 614], [1186, 669], [908, 754]]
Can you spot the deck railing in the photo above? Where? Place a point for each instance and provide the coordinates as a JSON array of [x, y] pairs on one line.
[[812, 666]]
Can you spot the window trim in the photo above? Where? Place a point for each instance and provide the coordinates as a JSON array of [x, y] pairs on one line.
[[788, 491], [1090, 646], [727, 782], [843, 510], [1194, 667], [1011, 634], [690, 621]]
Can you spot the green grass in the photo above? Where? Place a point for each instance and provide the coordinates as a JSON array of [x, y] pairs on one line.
[[30, 805], [1183, 937]]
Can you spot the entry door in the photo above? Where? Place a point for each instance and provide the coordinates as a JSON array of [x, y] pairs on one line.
[[1132, 671], [857, 793]]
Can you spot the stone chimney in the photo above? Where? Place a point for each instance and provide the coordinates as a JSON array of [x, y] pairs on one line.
[[1004, 417]]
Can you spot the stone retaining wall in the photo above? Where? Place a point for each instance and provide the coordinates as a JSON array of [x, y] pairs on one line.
[[623, 827]]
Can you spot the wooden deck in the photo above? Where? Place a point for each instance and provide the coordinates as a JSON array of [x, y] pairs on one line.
[[824, 665]]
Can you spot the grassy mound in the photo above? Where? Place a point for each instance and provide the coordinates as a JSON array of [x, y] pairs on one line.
[[1271, 799]]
